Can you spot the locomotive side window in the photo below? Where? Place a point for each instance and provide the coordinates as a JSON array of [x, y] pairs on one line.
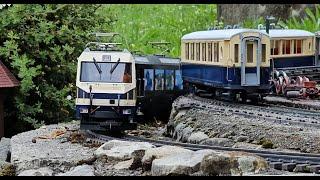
[[236, 53], [178, 80], [263, 53], [169, 79], [187, 50], [148, 76], [198, 51], [204, 52], [210, 51], [249, 53], [192, 51], [159, 79], [216, 52]]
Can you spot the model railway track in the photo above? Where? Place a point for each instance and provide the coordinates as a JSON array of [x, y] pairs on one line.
[[276, 159], [273, 114]]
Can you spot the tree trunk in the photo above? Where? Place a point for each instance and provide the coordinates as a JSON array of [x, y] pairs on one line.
[[232, 14]]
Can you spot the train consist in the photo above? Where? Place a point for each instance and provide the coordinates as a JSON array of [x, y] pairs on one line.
[[116, 88]]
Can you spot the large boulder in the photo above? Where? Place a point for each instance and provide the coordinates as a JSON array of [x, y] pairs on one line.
[[232, 163], [44, 152], [159, 152], [84, 170], [121, 150], [37, 172], [225, 142], [197, 137], [4, 149], [179, 164]]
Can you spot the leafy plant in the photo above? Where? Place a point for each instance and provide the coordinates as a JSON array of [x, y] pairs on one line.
[[311, 22], [140, 24], [40, 44]]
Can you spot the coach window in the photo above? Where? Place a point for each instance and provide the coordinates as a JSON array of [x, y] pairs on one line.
[[249, 53], [204, 52], [297, 46], [192, 51], [210, 51], [286, 47], [236, 53], [263, 53], [187, 50], [159, 79], [310, 46], [216, 52], [198, 51], [169, 74], [275, 47]]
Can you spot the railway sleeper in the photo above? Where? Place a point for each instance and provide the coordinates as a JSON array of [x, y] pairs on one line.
[[288, 166]]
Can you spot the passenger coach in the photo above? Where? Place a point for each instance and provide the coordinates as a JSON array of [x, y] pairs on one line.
[[232, 62]]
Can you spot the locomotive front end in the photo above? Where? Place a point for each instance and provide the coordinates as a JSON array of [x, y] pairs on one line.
[[106, 90]]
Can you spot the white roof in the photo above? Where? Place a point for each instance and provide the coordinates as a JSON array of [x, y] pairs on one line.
[[282, 33], [218, 34]]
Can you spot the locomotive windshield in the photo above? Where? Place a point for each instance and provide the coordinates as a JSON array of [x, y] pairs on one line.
[[121, 74]]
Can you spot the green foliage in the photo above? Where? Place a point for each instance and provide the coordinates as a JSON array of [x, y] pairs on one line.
[[140, 24], [253, 23], [310, 23], [41, 43]]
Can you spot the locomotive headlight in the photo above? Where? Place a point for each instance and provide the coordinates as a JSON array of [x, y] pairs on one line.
[[127, 111], [83, 110]]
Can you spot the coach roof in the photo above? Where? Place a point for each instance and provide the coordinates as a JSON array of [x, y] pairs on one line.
[[223, 34], [283, 33]]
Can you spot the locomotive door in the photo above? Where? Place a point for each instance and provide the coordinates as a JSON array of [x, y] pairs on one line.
[[250, 61]]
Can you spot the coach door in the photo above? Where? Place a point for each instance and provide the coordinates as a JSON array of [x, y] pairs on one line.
[[317, 53], [250, 61]]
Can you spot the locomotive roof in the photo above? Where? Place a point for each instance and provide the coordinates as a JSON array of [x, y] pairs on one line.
[[218, 34], [156, 60], [282, 33]]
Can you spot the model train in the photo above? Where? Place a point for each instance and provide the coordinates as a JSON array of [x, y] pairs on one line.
[[116, 88]]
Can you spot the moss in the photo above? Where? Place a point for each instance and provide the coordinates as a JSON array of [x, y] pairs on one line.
[[7, 170], [266, 143]]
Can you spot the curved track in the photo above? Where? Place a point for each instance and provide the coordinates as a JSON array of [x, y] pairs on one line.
[[273, 157]]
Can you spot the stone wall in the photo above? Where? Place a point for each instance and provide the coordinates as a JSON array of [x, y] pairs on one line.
[[235, 13]]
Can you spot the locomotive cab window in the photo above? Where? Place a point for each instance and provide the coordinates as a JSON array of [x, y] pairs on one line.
[[106, 72]]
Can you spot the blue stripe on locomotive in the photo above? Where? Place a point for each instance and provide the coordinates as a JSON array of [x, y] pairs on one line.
[[216, 76], [100, 95], [104, 108], [293, 62]]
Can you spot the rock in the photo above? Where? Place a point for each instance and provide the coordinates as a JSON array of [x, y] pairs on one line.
[[159, 152], [179, 164], [218, 142], [84, 170], [249, 163], [4, 149], [59, 156], [178, 131], [197, 137], [37, 172], [7, 169], [245, 145], [186, 132], [123, 164], [232, 163], [120, 150], [241, 139], [218, 164]]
